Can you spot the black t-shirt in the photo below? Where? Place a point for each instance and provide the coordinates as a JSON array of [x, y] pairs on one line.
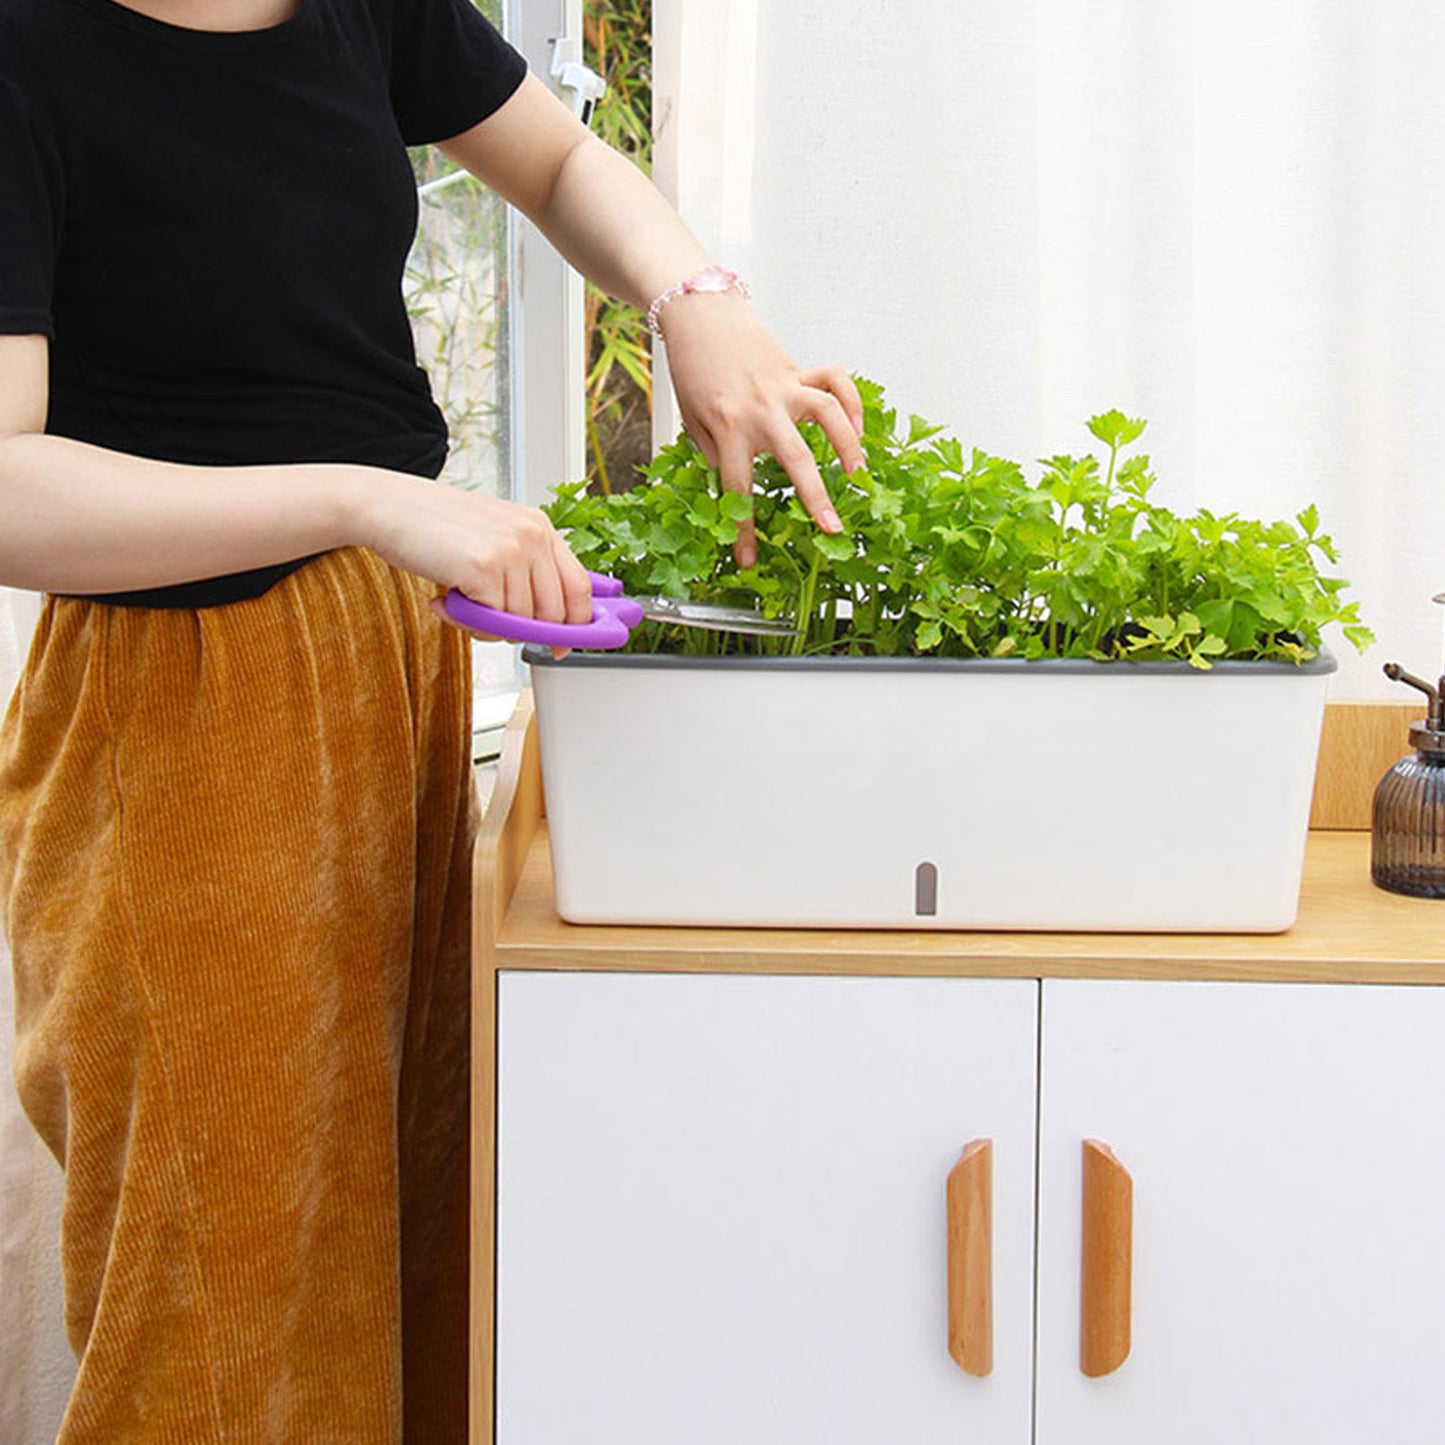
[[212, 227]]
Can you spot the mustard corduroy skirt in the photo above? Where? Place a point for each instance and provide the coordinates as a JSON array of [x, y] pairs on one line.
[[234, 857]]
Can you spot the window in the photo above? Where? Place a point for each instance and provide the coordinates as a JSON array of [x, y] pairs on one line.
[[498, 321]]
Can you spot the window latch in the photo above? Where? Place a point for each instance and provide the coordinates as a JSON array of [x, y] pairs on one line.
[[568, 70]]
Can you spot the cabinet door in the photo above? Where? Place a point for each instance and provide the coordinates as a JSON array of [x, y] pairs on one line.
[[1286, 1145], [721, 1208]]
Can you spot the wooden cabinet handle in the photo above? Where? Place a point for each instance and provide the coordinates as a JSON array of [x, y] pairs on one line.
[[1107, 1260], [970, 1258]]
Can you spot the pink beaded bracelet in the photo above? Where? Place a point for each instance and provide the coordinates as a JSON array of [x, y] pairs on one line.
[[710, 278]]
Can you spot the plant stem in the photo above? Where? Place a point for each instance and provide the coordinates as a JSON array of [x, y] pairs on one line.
[[805, 605]]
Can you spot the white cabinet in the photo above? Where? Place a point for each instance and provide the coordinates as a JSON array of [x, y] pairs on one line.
[[1287, 1147], [721, 1209]]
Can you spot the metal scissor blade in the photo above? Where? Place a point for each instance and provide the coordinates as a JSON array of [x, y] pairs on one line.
[[714, 618]]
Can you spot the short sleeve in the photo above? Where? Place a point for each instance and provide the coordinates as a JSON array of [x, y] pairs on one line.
[[450, 68], [30, 202]]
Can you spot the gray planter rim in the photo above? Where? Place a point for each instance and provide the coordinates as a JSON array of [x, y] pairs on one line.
[[1046, 667]]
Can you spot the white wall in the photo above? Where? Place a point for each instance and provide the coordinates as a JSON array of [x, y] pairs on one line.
[[1227, 217]]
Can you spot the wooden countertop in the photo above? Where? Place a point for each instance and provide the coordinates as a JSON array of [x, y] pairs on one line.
[[1347, 931]]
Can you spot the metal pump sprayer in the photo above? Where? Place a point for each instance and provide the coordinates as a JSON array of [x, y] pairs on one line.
[[1407, 834]]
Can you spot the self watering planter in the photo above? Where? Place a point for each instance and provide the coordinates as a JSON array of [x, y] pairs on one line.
[[1006, 703], [928, 793]]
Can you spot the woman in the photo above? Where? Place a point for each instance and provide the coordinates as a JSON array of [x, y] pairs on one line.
[[235, 796]]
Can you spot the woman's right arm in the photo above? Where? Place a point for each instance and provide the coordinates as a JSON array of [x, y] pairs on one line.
[[78, 518]]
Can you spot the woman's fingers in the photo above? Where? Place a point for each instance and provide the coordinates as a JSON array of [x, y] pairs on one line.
[[549, 601], [831, 414], [731, 447], [795, 457], [542, 577], [735, 466], [729, 450], [517, 594], [837, 382], [576, 584], [561, 589]]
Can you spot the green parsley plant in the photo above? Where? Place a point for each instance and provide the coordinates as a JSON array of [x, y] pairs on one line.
[[948, 553]]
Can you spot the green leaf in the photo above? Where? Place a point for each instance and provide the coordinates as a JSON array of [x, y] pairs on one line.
[[1269, 604], [1115, 429], [666, 578], [1244, 629], [704, 510], [666, 538], [582, 541], [919, 430], [1216, 615], [838, 547]]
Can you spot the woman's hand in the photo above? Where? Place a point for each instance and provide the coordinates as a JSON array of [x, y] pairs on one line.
[[501, 554], [739, 391], [741, 394]]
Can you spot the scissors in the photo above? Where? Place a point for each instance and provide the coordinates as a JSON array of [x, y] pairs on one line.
[[613, 618]]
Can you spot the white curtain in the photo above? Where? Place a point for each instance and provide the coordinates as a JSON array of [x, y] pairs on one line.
[[1227, 217], [36, 1366]]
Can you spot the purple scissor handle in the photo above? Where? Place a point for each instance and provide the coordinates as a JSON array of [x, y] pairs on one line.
[[613, 618]]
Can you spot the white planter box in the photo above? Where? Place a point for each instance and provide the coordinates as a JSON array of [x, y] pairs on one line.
[[864, 793]]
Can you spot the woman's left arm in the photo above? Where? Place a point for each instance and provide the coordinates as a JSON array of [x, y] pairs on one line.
[[739, 391]]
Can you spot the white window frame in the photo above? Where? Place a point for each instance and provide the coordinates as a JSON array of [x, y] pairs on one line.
[[548, 351], [549, 358]]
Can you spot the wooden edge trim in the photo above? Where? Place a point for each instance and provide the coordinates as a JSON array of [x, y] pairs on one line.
[[970, 1259], [503, 840], [1359, 743], [1106, 1263], [507, 829]]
